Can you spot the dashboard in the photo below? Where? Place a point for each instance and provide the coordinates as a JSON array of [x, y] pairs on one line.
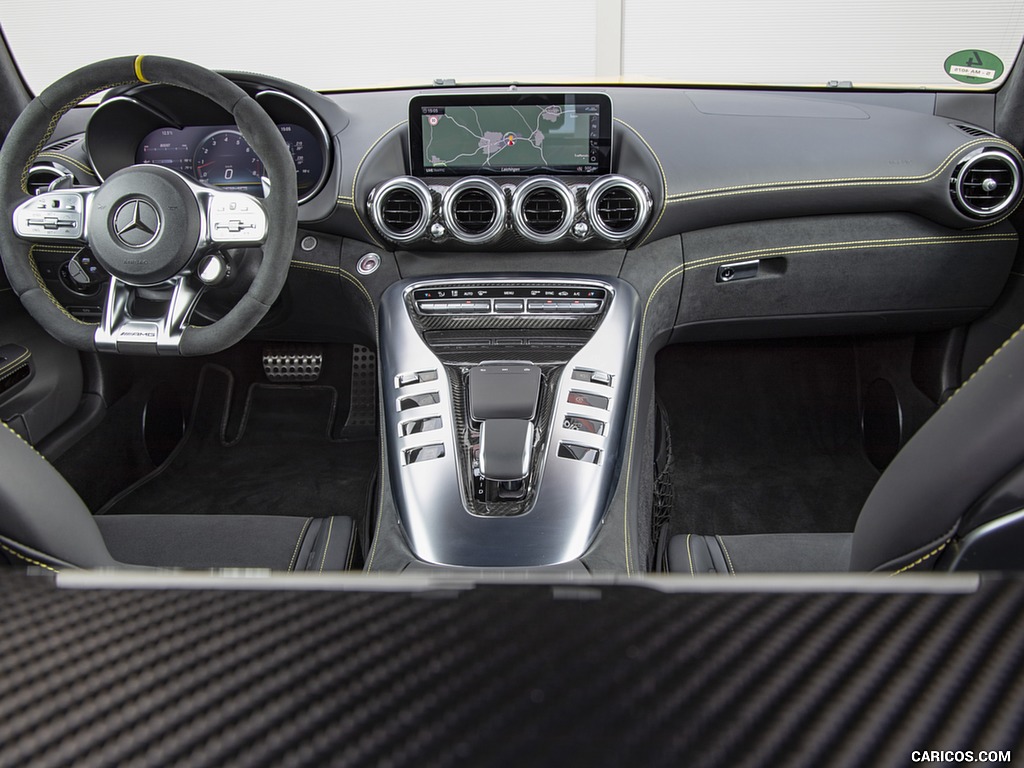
[[782, 209]]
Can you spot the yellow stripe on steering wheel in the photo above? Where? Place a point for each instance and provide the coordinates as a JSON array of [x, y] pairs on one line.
[[138, 69]]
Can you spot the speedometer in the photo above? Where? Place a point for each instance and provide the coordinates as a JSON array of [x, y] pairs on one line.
[[220, 156], [224, 159]]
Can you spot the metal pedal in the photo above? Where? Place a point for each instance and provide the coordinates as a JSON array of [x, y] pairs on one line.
[[285, 364], [362, 413]]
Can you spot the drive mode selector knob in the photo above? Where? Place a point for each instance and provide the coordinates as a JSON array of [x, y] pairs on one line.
[[145, 225]]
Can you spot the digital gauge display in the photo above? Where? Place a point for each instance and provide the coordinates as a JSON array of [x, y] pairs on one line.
[[218, 155]]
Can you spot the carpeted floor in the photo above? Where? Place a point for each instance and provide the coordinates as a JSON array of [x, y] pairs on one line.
[[283, 460], [766, 437]]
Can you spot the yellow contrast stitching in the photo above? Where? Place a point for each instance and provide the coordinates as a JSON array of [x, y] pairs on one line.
[[923, 558], [26, 442], [664, 178], [332, 270], [988, 360], [28, 559], [330, 529], [689, 555], [65, 159], [53, 126], [785, 186], [790, 250], [302, 534], [15, 363], [728, 560]]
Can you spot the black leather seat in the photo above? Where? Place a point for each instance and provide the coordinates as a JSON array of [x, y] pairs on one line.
[[952, 499], [43, 522]]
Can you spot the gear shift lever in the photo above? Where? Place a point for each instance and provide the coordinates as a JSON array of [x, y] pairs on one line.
[[503, 398]]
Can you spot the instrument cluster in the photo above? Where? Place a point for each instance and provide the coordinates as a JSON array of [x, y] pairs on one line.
[[161, 125]]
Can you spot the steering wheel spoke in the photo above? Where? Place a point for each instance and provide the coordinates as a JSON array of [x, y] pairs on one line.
[[124, 328], [54, 217]]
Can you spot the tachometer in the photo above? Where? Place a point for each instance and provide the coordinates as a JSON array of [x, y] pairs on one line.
[[224, 159]]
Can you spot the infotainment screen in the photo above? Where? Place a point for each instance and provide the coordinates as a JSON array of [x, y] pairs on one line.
[[510, 134]]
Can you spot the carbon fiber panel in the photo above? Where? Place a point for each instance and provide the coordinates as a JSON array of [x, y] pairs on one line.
[[509, 675]]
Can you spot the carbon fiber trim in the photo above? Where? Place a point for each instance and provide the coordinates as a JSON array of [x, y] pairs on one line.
[[504, 676], [469, 442]]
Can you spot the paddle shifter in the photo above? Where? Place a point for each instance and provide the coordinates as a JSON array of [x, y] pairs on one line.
[[503, 401]]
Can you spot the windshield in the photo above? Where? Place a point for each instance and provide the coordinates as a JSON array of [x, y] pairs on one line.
[[931, 44]]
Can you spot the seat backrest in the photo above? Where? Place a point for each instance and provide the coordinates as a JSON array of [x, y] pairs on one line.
[[924, 506], [41, 513]]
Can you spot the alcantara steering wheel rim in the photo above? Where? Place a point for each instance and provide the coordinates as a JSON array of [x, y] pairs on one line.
[[147, 226]]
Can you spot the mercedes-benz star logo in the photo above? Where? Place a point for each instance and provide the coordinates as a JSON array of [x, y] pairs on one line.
[[136, 223]]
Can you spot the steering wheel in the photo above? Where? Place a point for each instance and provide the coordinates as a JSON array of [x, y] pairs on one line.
[[156, 232]]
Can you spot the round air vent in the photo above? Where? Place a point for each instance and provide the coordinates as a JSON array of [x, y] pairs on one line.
[[617, 207], [543, 209], [40, 177], [474, 210], [401, 208], [986, 184]]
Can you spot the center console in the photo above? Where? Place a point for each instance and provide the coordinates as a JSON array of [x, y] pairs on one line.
[[505, 399]]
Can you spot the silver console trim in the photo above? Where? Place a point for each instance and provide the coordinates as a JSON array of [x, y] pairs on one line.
[[572, 497]]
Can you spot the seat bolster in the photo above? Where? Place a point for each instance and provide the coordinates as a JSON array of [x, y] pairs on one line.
[[761, 553], [327, 545], [40, 511], [201, 542], [693, 553]]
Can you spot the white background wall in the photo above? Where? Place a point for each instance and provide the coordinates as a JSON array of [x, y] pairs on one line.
[[328, 44]]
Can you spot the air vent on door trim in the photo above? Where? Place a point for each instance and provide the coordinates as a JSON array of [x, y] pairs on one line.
[[543, 209], [986, 183], [401, 208], [617, 207], [474, 209]]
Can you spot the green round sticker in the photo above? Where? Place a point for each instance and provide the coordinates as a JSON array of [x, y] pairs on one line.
[[974, 67]]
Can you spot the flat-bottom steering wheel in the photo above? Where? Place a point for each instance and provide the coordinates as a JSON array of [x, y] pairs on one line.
[[151, 228]]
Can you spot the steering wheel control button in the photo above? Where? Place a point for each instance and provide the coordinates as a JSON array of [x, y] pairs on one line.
[[236, 218], [213, 269], [51, 215], [136, 223], [368, 264]]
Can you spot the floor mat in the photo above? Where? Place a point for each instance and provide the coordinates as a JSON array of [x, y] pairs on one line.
[[282, 461], [766, 437]]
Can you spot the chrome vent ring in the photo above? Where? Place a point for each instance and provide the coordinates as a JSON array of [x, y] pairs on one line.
[[474, 210], [986, 183], [617, 207], [543, 209], [401, 208]]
